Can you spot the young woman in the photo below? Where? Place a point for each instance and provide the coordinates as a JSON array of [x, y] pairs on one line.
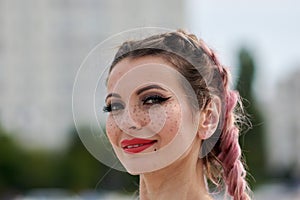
[[173, 118]]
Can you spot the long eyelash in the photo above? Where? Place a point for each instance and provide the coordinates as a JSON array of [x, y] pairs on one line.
[[160, 99], [107, 108]]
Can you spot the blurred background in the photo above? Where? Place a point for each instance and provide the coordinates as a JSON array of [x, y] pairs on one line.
[[43, 42]]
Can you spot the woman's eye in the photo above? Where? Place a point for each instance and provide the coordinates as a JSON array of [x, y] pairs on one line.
[[155, 99], [113, 107]]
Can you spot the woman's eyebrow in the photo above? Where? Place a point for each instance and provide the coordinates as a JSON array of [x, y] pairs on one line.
[[112, 95], [148, 88]]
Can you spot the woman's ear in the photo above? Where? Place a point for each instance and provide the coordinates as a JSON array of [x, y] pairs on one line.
[[209, 118]]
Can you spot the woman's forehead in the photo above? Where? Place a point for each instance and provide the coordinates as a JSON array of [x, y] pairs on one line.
[[128, 63], [147, 68]]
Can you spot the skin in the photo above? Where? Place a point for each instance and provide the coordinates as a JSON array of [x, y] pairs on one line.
[[186, 173]]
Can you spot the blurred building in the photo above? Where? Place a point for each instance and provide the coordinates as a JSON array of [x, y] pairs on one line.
[[283, 137], [42, 44]]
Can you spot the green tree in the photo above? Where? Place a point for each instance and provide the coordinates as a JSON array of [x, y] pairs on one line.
[[73, 168], [9, 166], [252, 142], [80, 170], [22, 169]]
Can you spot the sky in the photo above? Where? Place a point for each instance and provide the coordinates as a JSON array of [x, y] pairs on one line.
[[270, 29]]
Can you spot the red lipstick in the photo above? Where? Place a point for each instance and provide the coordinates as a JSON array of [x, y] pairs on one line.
[[136, 145]]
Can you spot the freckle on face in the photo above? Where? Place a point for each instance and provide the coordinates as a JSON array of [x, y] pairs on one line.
[[167, 123]]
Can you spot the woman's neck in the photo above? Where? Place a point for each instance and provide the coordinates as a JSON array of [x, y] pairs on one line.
[[182, 180]]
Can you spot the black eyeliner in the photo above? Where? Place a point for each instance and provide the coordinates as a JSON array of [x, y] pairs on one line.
[[157, 97], [107, 108]]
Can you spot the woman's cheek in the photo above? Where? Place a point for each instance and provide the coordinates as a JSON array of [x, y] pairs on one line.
[[172, 123], [112, 130]]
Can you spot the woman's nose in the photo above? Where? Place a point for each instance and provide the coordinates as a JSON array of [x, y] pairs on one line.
[[129, 121]]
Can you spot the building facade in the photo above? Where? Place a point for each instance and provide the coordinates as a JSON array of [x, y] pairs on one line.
[[42, 44]]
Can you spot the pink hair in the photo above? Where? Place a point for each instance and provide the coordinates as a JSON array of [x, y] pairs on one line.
[[228, 152]]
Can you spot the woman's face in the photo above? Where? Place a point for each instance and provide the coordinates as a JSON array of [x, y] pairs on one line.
[[150, 122]]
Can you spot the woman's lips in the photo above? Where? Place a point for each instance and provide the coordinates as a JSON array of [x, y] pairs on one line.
[[136, 145]]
